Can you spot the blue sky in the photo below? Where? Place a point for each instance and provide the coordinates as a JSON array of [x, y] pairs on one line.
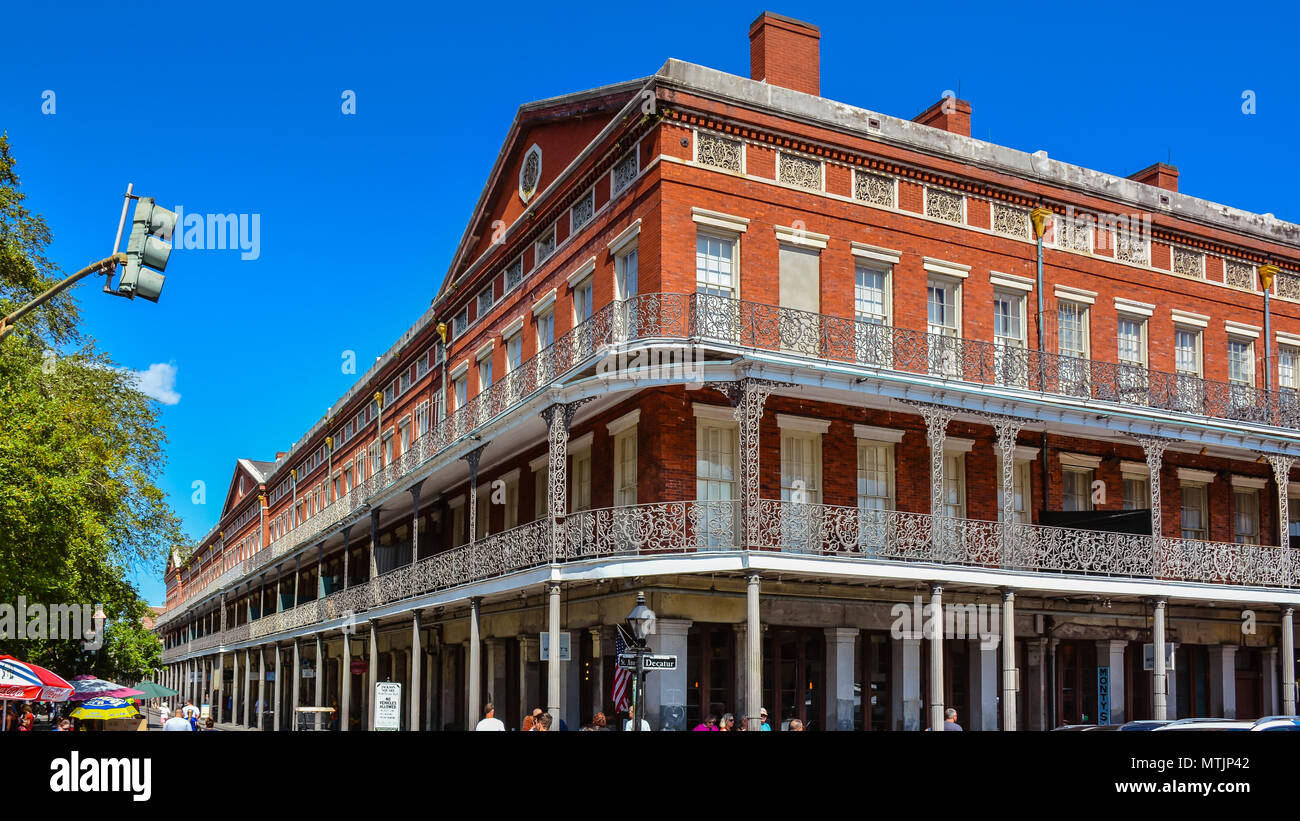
[[236, 108]]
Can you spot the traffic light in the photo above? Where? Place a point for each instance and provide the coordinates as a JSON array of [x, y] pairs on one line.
[[145, 250]]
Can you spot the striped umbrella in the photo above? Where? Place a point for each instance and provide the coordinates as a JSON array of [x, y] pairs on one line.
[[21, 681], [87, 687], [105, 707]]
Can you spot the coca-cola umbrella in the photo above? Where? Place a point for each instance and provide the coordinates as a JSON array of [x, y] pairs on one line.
[[88, 687], [21, 681]]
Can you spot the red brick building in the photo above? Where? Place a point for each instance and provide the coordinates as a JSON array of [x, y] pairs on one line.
[[804, 373]]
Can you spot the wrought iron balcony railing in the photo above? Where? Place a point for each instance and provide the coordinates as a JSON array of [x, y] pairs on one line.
[[691, 318], [703, 527]]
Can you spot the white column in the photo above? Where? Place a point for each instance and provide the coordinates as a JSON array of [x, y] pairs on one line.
[[753, 654], [1288, 661], [1010, 683], [235, 690], [553, 695], [665, 690], [417, 669], [261, 685], [1159, 708], [248, 690], [345, 681], [319, 695], [839, 680], [296, 676], [372, 671], [936, 656], [1223, 680], [1272, 683], [907, 683], [219, 690], [1110, 653], [598, 669], [475, 666], [983, 660], [277, 716]]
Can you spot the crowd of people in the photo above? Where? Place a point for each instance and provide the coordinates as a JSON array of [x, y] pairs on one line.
[[540, 721]]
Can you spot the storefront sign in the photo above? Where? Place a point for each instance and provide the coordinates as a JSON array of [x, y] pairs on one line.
[[1103, 695], [388, 705], [546, 647], [359, 668]]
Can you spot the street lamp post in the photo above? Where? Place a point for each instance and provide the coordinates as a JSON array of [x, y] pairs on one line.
[[641, 621]]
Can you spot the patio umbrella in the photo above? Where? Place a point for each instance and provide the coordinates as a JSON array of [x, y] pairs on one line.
[[152, 689], [87, 687], [21, 681], [102, 707]]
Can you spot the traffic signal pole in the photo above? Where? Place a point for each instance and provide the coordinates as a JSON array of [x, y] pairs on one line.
[[104, 266]]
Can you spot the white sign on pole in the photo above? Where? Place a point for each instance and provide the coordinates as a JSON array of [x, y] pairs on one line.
[[388, 705], [1149, 656], [546, 647]]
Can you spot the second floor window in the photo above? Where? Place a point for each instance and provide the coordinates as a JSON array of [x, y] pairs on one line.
[[869, 296], [1132, 341], [514, 352], [1288, 368], [1241, 362], [1009, 320], [1187, 351], [1196, 519], [715, 265], [459, 390], [875, 476], [1072, 330], [583, 303], [1137, 495], [1076, 489], [485, 373], [625, 470], [545, 330], [800, 467], [1245, 508]]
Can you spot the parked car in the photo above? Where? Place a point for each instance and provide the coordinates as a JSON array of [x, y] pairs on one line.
[[1227, 724], [1143, 725], [1276, 723]]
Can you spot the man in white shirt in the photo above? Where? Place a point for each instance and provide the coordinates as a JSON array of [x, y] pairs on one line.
[[631, 716], [189, 710], [490, 722], [177, 724]]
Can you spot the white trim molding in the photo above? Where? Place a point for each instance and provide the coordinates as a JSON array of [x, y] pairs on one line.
[[1136, 469], [461, 369], [1284, 338], [625, 238], [547, 301], [581, 443], [939, 267], [512, 475], [871, 252], [785, 421], [874, 434], [714, 219], [456, 501], [1241, 329], [1025, 453], [543, 461], [804, 238], [1189, 318], [1134, 308], [1200, 477], [956, 444], [583, 271], [720, 413], [624, 422], [1255, 482], [1072, 294], [516, 324], [1015, 283], [1079, 460]]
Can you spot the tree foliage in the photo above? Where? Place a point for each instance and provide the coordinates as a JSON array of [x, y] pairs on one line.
[[80, 453]]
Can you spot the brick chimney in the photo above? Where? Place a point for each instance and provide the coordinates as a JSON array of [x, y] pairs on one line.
[[949, 114], [1159, 175], [785, 52]]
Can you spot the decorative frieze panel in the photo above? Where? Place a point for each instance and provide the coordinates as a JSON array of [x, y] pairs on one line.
[[626, 171], [876, 189], [1009, 220], [1239, 274], [801, 171], [1189, 263], [1131, 247], [1288, 285], [582, 211], [514, 274], [719, 152], [1071, 234], [944, 205]]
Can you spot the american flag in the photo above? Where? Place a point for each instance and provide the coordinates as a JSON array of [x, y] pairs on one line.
[[622, 677]]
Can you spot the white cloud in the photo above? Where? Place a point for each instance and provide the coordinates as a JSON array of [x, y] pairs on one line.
[[158, 382]]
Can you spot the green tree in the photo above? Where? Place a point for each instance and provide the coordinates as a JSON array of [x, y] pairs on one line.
[[80, 452]]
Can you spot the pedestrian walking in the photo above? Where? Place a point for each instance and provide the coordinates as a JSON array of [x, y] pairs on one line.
[[709, 724], [796, 726], [631, 716], [728, 723], [544, 722], [762, 717], [178, 724], [950, 720], [28, 719], [490, 722]]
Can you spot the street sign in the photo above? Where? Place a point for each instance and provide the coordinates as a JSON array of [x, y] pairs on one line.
[[388, 705], [564, 646], [1149, 656], [1103, 695], [627, 661]]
